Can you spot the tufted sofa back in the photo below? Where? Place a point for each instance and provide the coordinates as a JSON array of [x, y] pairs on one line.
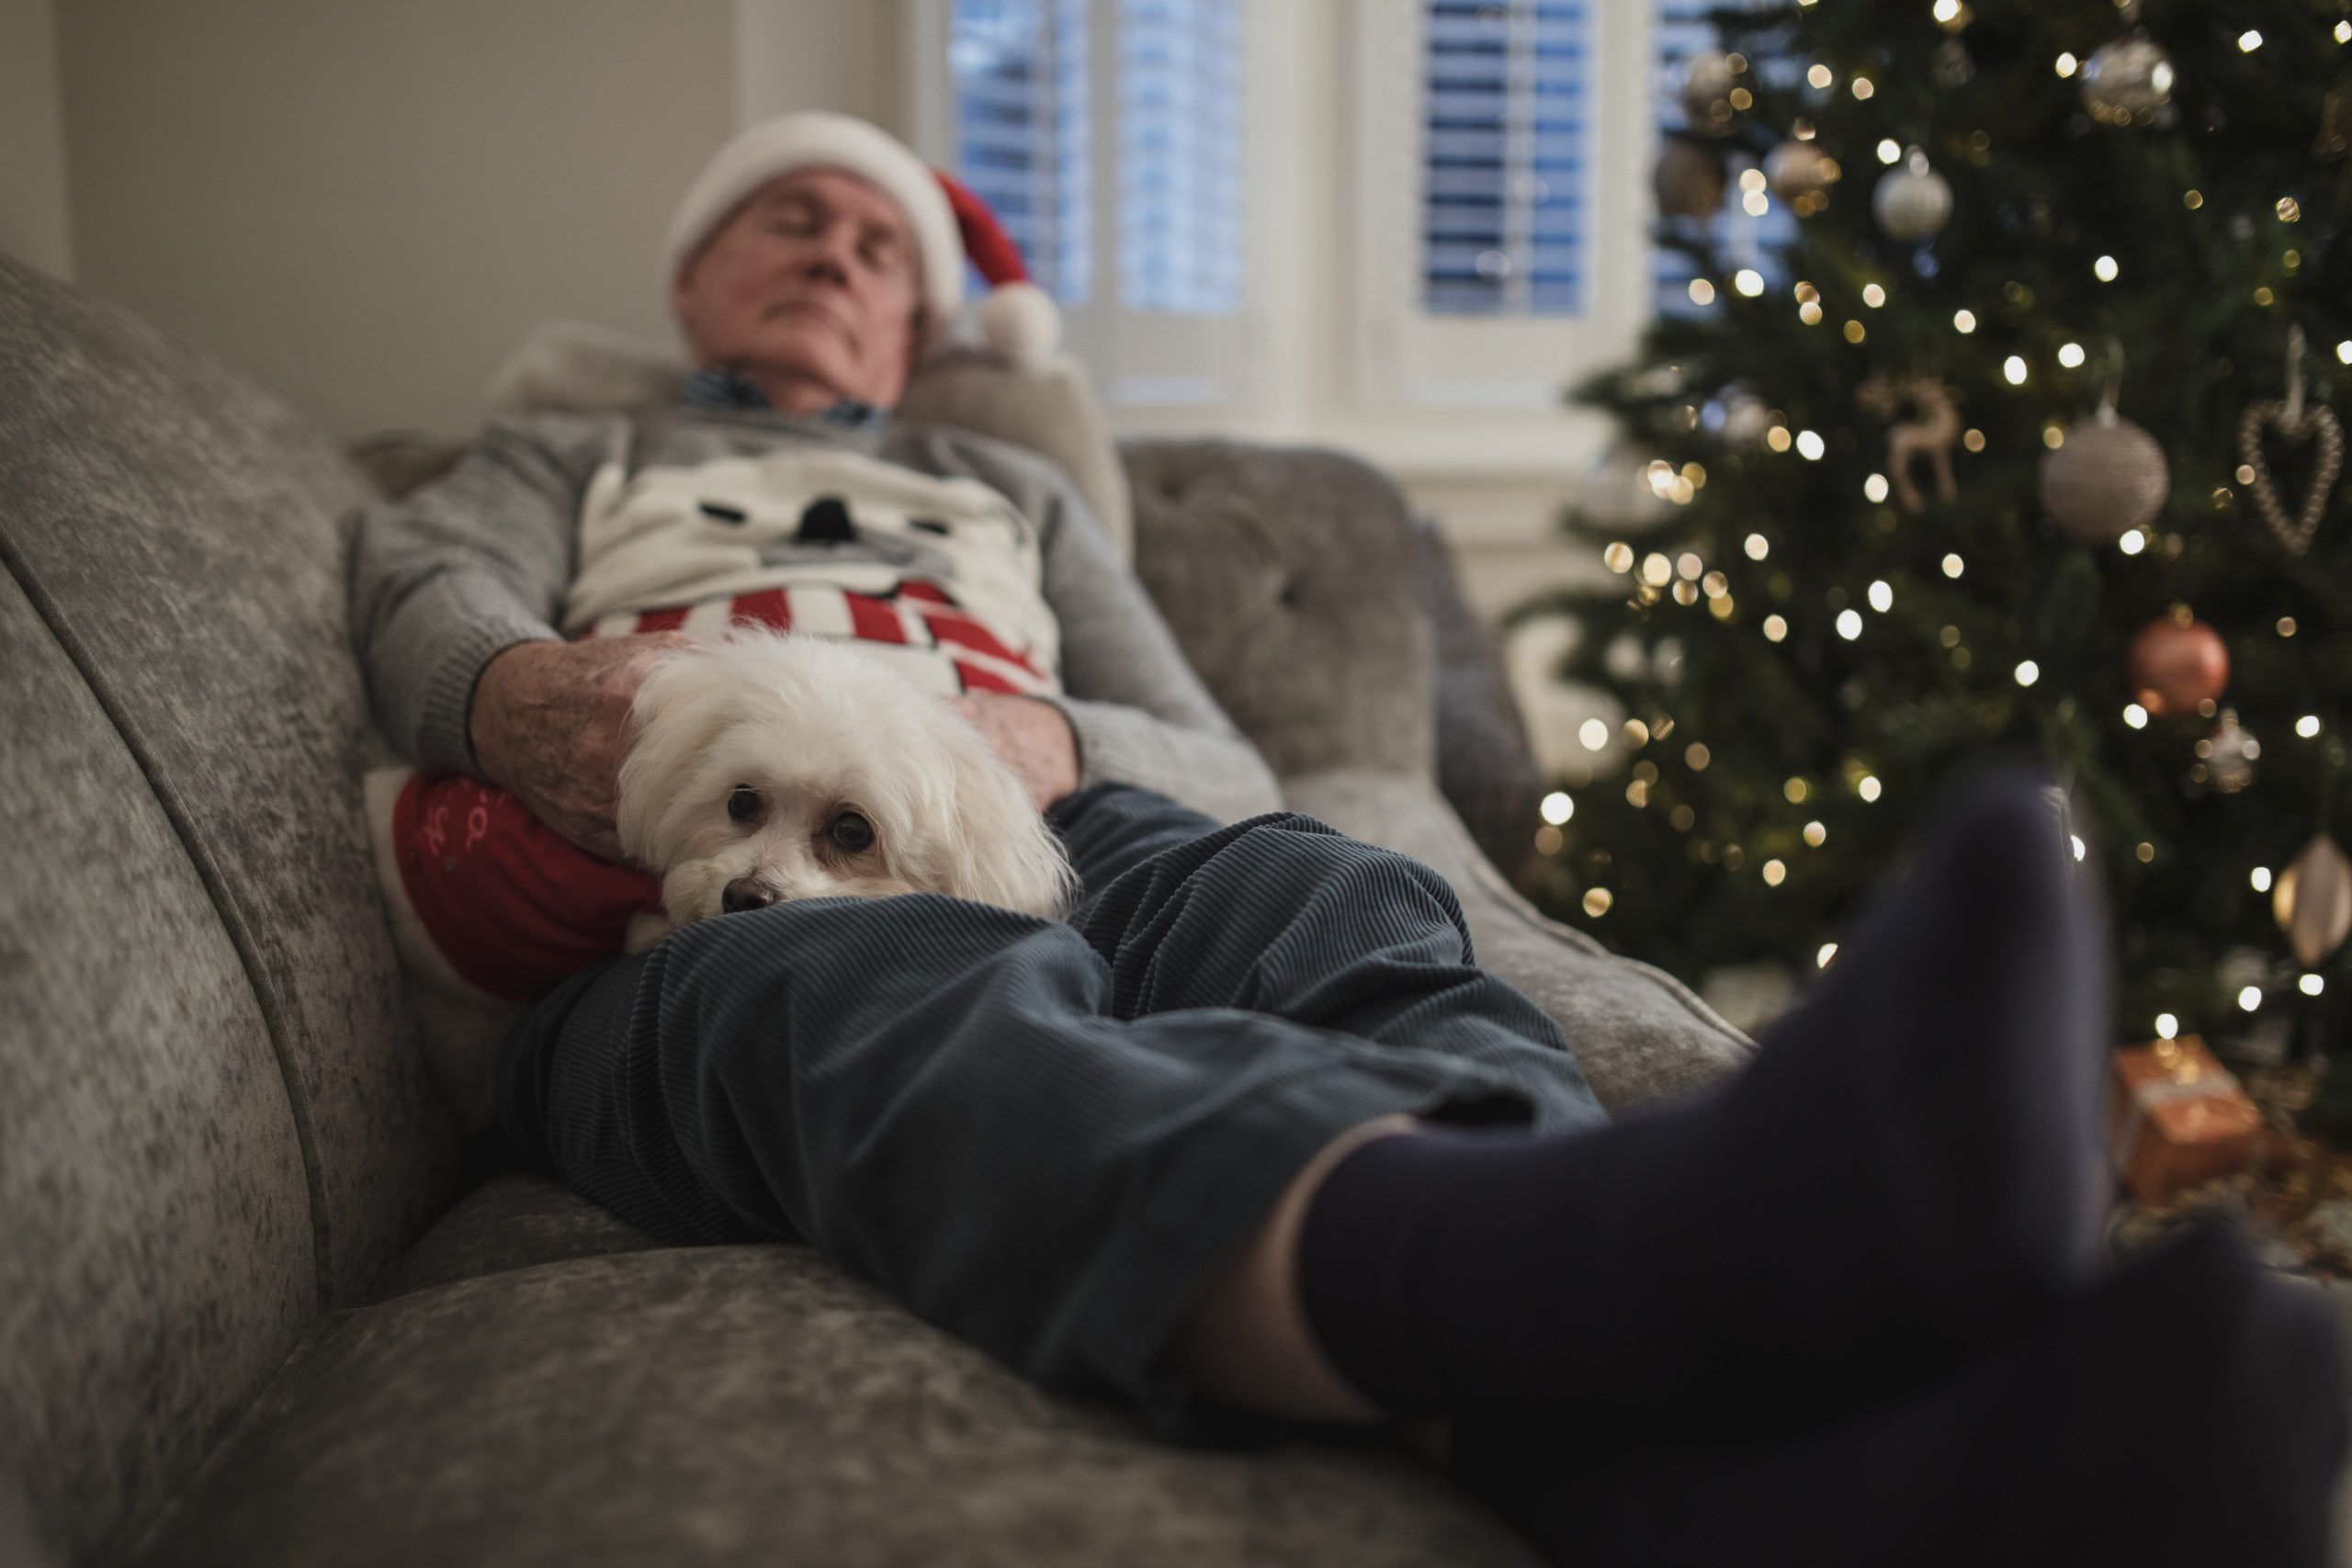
[[1291, 588], [213, 1121]]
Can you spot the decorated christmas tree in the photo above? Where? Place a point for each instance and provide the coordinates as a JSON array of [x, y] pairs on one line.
[[2026, 437]]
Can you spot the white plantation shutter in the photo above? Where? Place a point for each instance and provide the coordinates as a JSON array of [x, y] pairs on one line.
[[1107, 134], [1022, 138], [1495, 179], [1179, 156], [1506, 159]]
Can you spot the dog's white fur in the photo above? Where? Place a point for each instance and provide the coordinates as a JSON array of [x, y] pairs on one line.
[[816, 727]]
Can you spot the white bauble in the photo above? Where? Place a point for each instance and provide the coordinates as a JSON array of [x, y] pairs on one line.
[[2130, 77], [1618, 492], [1914, 202], [1747, 421]]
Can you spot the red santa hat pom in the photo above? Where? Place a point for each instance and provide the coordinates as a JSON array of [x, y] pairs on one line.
[[1019, 322]]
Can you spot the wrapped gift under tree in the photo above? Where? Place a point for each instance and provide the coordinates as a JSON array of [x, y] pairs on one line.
[[2178, 1118]]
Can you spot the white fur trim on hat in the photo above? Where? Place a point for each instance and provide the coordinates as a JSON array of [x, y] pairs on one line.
[[814, 139], [1022, 324]]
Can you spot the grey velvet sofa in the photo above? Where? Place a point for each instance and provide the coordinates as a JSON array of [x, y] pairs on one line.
[[258, 1307]]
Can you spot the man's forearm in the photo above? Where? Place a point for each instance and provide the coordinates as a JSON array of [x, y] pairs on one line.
[[428, 656], [1221, 775], [473, 563]]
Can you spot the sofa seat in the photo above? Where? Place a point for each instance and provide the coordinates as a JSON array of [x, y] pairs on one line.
[[592, 1398]]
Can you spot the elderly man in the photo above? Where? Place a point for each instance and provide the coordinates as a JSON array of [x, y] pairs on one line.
[[1250, 1140]]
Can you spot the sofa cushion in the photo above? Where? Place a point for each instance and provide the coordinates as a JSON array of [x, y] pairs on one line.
[[157, 1255], [515, 1220], [726, 1405], [185, 537], [1486, 767], [1637, 1032]]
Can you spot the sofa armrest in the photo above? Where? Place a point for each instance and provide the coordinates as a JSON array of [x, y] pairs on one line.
[[1288, 577], [1638, 1033]]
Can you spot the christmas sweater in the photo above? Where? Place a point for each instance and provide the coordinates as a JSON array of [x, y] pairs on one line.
[[599, 526]]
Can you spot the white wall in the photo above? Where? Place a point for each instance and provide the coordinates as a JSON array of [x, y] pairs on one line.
[[33, 223], [366, 206], [849, 56]]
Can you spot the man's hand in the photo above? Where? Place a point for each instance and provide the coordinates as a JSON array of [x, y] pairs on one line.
[[1031, 737], [549, 723]]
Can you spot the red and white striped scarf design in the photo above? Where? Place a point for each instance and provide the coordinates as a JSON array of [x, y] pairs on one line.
[[943, 577]]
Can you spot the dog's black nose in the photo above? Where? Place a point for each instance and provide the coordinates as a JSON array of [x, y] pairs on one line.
[[745, 894]]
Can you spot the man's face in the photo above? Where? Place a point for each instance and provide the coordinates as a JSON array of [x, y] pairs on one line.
[[816, 273]]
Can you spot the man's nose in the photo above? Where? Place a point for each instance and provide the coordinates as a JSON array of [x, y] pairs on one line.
[[832, 254], [744, 893]]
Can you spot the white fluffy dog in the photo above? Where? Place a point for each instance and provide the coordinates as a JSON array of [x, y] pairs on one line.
[[766, 766]]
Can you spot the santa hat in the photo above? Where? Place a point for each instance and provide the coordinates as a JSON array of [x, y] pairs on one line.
[[1018, 321]]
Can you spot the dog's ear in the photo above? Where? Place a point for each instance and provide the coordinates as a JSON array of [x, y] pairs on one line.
[[679, 710], [999, 850]]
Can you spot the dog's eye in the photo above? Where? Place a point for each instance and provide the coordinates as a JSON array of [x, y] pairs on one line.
[[744, 804], [852, 832]]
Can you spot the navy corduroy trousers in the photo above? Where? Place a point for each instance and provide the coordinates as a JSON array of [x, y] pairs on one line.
[[1044, 1137]]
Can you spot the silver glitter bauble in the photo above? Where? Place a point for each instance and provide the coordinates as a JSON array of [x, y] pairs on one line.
[[2129, 79], [1952, 66], [2109, 478], [2229, 755], [1706, 92], [1913, 203]]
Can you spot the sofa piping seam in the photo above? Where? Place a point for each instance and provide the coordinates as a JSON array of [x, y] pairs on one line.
[[216, 889]]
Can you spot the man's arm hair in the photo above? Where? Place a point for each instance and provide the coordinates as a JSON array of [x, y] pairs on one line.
[[448, 576]]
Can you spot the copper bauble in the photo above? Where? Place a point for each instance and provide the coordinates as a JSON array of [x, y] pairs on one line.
[[2176, 664], [1690, 181]]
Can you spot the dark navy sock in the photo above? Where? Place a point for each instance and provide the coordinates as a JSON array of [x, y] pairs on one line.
[[2188, 1411], [1908, 1170]]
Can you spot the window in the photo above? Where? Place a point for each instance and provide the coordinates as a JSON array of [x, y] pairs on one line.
[[1179, 156], [1746, 236], [1020, 70], [1107, 135], [1508, 91], [1504, 224], [1499, 246]]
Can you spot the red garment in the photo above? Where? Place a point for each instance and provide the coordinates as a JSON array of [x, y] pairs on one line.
[[509, 907], [506, 901]]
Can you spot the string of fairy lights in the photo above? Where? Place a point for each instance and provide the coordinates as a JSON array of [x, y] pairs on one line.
[[1913, 203]]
